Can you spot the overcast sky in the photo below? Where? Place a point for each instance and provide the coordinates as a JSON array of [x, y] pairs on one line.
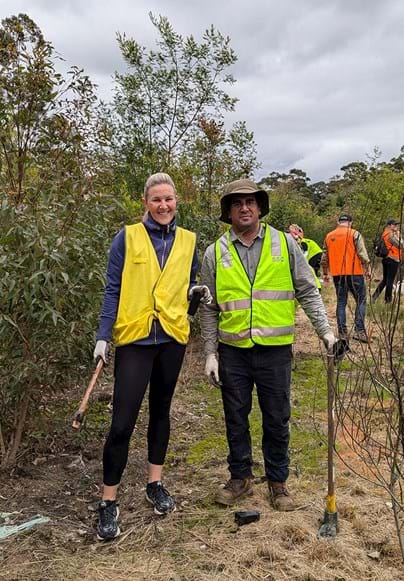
[[320, 82]]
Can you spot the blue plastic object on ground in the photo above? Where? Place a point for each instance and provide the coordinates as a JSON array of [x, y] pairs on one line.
[[7, 530]]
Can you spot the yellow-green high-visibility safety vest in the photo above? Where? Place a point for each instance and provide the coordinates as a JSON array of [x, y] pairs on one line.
[[258, 313], [312, 249]]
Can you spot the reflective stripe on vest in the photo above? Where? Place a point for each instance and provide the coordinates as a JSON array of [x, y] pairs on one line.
[[258, 313], [149, 293]]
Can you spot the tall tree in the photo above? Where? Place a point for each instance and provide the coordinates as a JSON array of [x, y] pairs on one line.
[[167, 90], [219, 156]]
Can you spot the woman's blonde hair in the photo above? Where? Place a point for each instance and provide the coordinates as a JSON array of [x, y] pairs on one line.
[[157, 179]]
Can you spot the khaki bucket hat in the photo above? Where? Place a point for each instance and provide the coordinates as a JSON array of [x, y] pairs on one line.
[[243, 186]]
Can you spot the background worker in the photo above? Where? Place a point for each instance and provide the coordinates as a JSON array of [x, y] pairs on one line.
[[310, 249], [313, 253], [150, 278], [346, 258], [254, 273], [394, 244]]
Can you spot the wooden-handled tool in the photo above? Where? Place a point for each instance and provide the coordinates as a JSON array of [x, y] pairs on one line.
[[79, 415]]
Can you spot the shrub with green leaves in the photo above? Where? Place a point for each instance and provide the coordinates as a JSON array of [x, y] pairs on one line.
[[54, 226], [51, 277]]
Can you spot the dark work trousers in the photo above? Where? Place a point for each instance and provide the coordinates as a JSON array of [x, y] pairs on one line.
[[269, 368], [135, 367], [354, 284], [390, 268]]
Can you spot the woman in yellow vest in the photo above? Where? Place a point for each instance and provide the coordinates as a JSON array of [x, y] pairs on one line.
[[151, 277]]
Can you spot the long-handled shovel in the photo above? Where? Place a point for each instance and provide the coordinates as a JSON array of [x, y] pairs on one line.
[[79, 415], [329, 527]]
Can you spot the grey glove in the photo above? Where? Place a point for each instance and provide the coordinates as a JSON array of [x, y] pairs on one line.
[[206, 297], [101, 350]]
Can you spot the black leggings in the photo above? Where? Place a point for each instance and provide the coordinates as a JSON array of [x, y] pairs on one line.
[[135, 367], [390, 268]]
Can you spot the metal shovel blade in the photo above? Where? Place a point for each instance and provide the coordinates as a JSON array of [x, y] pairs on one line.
[[329, 528]]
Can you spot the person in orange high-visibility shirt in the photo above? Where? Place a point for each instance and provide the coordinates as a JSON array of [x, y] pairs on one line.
[[394, 244], [346, 259]]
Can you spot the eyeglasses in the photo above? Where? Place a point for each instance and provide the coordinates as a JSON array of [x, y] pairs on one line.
[[250, 203]]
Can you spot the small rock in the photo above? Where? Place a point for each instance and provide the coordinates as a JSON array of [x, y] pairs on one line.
[[81, 532], [76, 463], [40, 460], [374, 555]]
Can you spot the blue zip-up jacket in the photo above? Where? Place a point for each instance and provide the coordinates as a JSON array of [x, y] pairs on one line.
[[162, 238]]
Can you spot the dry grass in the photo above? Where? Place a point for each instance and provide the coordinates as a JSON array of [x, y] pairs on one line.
[[200, 541]]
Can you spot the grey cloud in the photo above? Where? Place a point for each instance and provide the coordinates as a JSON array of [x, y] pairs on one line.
[[318, 82]]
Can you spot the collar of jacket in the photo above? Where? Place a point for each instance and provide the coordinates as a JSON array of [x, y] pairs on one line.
[[260, 234], [152, 226]]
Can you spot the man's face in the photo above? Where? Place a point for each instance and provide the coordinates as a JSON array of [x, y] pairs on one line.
[[244, 211]]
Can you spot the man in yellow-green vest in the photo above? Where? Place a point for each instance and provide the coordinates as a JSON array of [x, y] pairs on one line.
[[254, 273]]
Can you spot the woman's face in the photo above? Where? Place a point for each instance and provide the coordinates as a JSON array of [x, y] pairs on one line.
[[161, 202]]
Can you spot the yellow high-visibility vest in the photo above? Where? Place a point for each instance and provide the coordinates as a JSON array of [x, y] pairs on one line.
[[262, 312], [312, 249], [149, 293]]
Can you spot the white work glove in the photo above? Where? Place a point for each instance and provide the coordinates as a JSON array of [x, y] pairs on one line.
[[101, 350], [206, 297], [212, 369], [329, 341]]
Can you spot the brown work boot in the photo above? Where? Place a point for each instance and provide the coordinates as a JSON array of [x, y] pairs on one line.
[[234, 490], [361, 336], [280, 497]]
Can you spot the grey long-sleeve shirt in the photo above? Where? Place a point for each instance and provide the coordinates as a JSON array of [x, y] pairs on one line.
[[305, 287]]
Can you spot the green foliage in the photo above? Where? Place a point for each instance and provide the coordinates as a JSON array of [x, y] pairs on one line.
[[208, 229], [372, 192], [378, 198], [44, 270], [54, 225], [167, 89], [219, 156]]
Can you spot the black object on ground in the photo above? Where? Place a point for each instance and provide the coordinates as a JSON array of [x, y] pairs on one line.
[[244, 517]]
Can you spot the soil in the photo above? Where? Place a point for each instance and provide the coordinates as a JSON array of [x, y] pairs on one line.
[[59, 477]]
